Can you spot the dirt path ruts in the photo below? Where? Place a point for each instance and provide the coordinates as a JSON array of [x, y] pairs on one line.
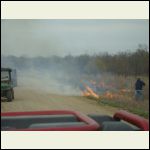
[[31, 100]]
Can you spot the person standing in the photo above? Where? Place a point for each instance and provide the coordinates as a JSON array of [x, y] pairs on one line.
[[139, 89]]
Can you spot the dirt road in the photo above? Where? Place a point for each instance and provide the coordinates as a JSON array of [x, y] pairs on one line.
[[29, 100]]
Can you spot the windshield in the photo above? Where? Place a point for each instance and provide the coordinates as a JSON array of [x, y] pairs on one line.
[[5, 76]]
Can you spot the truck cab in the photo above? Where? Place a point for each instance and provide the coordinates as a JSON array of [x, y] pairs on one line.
[[7, 84]]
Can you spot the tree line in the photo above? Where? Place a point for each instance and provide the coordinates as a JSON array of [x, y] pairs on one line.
[[123, 63]]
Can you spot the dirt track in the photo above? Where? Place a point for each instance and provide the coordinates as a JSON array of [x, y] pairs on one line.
[[30, 100]]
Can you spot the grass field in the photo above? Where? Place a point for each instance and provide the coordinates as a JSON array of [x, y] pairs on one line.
[[126, 100]]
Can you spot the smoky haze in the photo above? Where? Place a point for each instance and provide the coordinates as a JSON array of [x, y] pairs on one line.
[[54, 55], [62, 37], [58, 75]]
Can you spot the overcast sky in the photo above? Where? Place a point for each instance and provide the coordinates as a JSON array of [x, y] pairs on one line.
[[62, 37]]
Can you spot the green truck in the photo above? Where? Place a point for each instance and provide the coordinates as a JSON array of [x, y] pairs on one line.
[[7, 83]]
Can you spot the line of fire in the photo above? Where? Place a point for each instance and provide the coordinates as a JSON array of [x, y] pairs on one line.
[[100, 90]]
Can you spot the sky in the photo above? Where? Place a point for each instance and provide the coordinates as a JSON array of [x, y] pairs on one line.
[[60, 37]]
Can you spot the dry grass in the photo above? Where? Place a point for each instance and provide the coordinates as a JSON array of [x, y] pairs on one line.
[[126, 100], [138, 107]]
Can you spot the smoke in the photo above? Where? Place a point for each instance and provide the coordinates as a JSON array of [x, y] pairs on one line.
[[61, 75], [48, 82], [52, 75], [47, 37]]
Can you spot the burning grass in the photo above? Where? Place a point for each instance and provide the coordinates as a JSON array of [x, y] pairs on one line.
[[119, 95], [126, 102]]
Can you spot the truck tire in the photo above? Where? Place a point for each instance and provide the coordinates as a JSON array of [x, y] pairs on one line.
[[13, 97], [9, 95]]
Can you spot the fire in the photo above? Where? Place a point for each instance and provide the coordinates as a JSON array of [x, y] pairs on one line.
[[124, 90], [85, 93], [89, 92], [110, 95]]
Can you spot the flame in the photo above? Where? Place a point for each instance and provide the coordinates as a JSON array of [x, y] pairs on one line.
[[108, 94], [85, 93], [89, 92], [124, 90]]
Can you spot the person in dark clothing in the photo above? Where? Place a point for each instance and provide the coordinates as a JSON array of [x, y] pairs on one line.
[[139, 89]]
